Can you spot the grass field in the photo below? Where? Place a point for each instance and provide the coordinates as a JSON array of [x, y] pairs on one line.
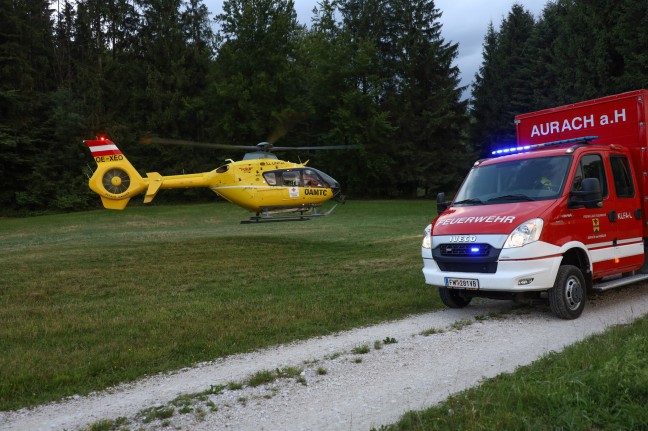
[[89, 300]]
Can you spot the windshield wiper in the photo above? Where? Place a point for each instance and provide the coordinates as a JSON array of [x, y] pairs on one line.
[[469, 201], [512, 198]]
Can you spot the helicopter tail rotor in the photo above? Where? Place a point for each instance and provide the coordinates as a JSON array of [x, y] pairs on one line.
[[116, 181]]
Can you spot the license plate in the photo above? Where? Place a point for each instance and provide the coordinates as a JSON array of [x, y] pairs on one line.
[[462, 283]]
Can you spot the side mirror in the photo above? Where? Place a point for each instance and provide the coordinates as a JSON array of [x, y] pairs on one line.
[[590, 196], [442, 204]]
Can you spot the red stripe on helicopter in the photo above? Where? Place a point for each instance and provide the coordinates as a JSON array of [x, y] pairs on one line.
[[103, 147]]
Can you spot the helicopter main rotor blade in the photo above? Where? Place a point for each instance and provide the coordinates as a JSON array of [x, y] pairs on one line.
[[262, 146], [321, 147], [167, 141]]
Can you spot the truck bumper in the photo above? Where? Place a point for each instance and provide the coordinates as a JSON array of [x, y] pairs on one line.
[[511, 276]]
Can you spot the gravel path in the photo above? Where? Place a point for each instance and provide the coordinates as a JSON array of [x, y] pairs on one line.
[[341, 390]]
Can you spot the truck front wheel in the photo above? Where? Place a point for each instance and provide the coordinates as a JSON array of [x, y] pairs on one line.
[[567, 297], [452, 298]]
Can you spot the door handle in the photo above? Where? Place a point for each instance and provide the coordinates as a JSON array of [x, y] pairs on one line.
[[612, 216]]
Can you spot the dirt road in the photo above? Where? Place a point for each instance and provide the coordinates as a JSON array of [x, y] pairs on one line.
[[338, 389]]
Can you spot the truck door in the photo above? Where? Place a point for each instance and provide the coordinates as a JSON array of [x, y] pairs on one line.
[[592, 226], [625, 215], [613, 232]]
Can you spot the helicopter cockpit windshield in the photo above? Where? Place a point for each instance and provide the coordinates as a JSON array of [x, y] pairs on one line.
[[307, 177]]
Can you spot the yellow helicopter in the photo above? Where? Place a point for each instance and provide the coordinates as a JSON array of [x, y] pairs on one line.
[[274, 189]]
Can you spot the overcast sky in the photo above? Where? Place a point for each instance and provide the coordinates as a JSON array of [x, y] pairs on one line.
[[464, 22]]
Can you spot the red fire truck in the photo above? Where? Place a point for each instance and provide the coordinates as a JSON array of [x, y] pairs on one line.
[[560, 214]]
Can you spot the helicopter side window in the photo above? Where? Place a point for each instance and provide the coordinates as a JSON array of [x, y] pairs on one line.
[[296, 178], [311, 179], [291, 178], [270, 178]]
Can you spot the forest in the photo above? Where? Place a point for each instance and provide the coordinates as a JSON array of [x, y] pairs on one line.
[[372, 73]]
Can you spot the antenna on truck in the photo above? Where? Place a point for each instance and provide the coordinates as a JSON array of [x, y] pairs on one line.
[[512, 150]]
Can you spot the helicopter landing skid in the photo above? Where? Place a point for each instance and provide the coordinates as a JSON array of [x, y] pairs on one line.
[[268, 216]]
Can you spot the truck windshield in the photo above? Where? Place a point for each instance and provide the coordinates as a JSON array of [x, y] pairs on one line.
[[515, 181]]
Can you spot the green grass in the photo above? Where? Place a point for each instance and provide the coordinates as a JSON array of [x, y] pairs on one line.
[[598, 384], [266, 376], [361, 350], [89, 300]]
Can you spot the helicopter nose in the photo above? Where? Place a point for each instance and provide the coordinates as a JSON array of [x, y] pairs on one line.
[[337, 191], [335, 187]]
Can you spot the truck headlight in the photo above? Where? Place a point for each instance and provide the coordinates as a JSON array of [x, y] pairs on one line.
[[427, 239], [526, 233]]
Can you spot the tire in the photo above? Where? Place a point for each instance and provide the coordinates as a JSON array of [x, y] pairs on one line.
[[567, 297], [453, 298]]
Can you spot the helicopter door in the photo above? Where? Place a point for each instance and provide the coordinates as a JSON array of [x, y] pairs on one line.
[[287, 181], [292, 179]]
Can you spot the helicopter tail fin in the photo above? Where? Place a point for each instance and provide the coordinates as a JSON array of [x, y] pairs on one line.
[[116, 181]]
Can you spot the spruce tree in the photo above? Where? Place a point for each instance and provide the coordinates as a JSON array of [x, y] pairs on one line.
[[26, 78], [502, 87], [631, 37], [255, 91], [426, 103]]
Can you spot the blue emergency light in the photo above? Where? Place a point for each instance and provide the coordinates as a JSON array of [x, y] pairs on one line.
[[512, 150]]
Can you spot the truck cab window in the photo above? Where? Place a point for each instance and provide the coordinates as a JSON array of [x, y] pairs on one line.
[[537, 178], [590, 166], [622, 177]]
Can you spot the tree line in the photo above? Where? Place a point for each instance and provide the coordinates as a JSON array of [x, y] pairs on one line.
[[372, 73], [576, 50]]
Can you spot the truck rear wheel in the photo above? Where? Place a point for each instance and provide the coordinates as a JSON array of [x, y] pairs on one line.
[[567, 297], [453, 298]]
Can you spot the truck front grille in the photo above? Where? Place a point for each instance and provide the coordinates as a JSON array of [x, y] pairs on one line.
[[465, 250], [479, 258]]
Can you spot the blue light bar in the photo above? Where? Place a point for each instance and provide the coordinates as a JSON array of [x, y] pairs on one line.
[[474, 249], [512, 150]]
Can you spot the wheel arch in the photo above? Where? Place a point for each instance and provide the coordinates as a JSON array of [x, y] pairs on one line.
[[578, 257]]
